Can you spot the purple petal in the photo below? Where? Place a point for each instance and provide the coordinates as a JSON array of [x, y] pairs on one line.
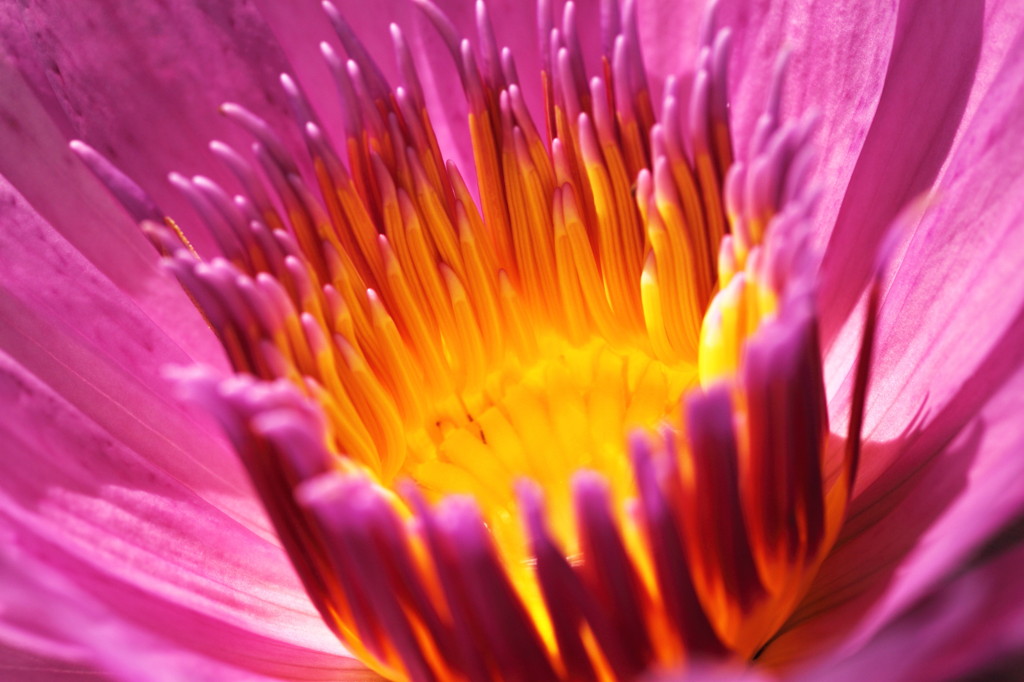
[[942, 456], [898, 542]]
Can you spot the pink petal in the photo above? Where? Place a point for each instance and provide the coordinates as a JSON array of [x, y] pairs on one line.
[[162, 561], [141, 82], [37, 161], [17, 665], [300, 27], [515, 26], [941, 467], [108, 482], [839, 52], [971, 627], [950, 317], [63, 616], [162, 564], [670, 38], [73, 328], [899, 542], [939, 71]]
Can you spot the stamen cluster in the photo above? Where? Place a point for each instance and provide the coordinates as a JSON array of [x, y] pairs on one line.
[[575, 429]]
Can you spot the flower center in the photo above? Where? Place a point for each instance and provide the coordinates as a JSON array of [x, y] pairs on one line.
[[572, 429], [570, 409]]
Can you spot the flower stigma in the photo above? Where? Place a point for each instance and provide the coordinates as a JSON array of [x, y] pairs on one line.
[[567, 421]]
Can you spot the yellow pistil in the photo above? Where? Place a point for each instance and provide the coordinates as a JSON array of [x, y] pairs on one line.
[[620, 279]]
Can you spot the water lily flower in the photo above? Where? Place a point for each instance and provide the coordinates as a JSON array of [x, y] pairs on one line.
[[660, 343]]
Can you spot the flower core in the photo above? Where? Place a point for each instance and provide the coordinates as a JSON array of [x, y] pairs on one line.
[[573, 429]]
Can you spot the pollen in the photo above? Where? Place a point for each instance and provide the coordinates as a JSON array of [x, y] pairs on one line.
[[564, 419]]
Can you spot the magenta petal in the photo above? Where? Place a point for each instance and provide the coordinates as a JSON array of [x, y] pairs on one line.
[[175, 63], [969, 628], [941, 469]]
